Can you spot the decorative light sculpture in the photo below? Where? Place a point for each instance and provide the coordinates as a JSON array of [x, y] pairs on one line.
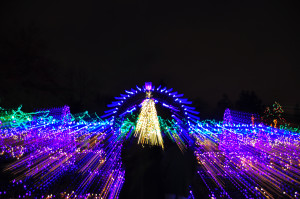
[[147, 127]]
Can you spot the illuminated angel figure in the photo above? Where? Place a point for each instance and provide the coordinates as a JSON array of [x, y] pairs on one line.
[[147, 127]]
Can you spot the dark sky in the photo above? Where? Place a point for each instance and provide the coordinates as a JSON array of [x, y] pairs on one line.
[[88, 49]]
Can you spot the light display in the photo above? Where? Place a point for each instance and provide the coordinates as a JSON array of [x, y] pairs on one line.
[[237, 117], [275, 114], [147, 127], [53, 154], [258, 161]]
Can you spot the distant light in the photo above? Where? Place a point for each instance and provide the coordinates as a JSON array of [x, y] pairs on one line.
[[148, 86]]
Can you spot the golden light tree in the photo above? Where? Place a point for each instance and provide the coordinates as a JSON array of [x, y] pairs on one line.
[[147, 127]]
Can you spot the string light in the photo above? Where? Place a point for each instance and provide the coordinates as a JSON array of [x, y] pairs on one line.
[[52, 144], [147, 127]]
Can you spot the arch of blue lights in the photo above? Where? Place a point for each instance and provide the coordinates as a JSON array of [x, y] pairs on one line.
[[179, 108]]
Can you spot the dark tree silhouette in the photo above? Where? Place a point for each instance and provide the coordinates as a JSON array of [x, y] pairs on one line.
[[28, 75], [203, 108], [249, 102], [223, 104], [297, 113]]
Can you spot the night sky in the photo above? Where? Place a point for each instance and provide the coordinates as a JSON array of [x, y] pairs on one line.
[[85, 52]]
